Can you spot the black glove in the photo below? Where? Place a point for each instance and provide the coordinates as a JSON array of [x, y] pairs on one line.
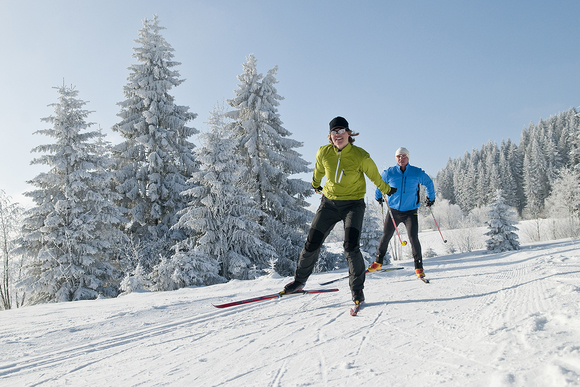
[[318, 190], [380, 200], [429, 202], [392, 191]]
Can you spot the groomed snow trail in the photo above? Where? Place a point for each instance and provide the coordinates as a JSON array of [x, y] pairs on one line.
[[509, 319]]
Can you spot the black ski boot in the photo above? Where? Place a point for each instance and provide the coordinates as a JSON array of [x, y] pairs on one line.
[[293, 286], [358, 296]]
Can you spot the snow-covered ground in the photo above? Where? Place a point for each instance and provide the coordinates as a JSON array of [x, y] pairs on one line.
[[509, 319]]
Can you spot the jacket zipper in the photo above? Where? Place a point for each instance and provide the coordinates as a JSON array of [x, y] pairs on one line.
[[338, 177], [403, 190]]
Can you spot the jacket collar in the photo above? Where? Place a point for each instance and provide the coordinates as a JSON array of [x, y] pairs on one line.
[[399, 167], [346, 149]]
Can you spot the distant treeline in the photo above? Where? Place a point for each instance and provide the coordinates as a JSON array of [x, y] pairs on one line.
[[526, 173]]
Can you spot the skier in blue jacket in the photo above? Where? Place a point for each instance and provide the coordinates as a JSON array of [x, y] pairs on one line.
[[404, 203]]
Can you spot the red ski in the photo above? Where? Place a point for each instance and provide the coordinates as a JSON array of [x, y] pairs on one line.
[[272, 296], [354, 310]]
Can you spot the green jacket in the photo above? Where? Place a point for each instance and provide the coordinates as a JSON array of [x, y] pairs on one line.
[[344, 171]]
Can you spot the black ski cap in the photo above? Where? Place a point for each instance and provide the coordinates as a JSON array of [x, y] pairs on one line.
[[338, 122]]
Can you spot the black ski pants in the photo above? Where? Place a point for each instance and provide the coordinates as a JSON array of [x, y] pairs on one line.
[[328, 214], [411, 221]]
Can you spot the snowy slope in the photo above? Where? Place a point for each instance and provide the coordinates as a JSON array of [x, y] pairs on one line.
[[509, 319]]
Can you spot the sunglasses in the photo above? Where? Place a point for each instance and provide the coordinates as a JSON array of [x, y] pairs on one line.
[[338, 131]]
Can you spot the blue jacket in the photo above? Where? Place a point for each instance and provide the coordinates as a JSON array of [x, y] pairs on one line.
[[407, 184]]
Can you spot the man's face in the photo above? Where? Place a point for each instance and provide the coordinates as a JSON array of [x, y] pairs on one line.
[[339, 137], [402, 160]]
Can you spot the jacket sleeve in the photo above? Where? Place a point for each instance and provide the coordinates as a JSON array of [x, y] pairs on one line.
[[428, 183], [370, 169], [319, 172], [378, 193]]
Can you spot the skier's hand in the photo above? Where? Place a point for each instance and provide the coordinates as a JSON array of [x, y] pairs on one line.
[[392, 191], [429, 202], [318, 190], [381, 200]]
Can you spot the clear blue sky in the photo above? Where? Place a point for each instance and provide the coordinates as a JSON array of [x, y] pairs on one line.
[[438, 77]]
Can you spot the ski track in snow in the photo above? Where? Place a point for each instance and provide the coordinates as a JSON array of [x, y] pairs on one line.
[[508, 319]]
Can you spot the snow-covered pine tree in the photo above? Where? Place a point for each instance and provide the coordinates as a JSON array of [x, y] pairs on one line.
[[268, 154], [554, 160], [136, 280], [502, 236], [574, 136], [464, 182], [563, 135], [515, 160], [482, 186], [70, 231], [445, 188], [221, 219], [156, 158], [507, 181], [536, 184], [492, 157], [11, 265], [564, 201], [372, 230]]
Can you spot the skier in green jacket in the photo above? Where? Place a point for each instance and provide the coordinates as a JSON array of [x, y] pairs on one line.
[[344, 165]]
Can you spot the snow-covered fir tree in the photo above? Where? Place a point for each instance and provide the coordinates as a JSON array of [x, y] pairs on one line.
[[71, 230], [220, 220], [573, 137], [564, 201], [536, 185], [270, 159], [464, 181], [444, 180], [372, 229], [502, 236], [554, 160], [565, 197], [507, 181], [155, 158], [137, 279], [12, 263]]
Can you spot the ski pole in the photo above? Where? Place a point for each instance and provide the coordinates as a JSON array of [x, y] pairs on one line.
[[403, 243], [444, 240], [383, 211]]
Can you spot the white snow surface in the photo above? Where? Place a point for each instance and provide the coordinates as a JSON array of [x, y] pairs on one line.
[[506, 319]]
